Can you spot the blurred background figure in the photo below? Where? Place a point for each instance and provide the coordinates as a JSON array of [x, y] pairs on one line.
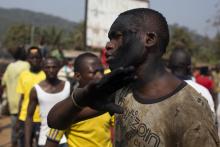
[[9, 82], [204, 78], [103, 58], [45, 94], [43, 48], [27, 79], [57, 53], [66, 72], [180, 66], [93, 132]]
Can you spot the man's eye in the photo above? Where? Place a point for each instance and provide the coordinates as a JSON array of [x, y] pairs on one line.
[[115, 35], [118, 36]]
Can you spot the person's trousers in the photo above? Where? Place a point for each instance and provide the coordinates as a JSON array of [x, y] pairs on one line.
[[60, 145], [34, 134], [14, 133]]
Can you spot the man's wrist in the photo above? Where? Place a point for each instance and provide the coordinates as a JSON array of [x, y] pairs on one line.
[[73, 97], [79, 97]]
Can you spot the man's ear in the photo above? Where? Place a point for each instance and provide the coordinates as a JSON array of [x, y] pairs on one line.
[[150, 39], [77, 76]]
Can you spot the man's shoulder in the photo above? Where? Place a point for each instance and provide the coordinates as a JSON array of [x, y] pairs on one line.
[[10, 68], [42, 84], [186, 104], [38, 74], [198, 87], [188, 93], [192, 104], [192, 98], [28, 74], [21, 62], [25, 72], [10, 65]]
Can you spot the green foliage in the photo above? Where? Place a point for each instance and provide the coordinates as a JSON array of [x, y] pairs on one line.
[[52, 36], [77, 37], [216, 45], [17, 35], [10, 17], [20, 35], [181, 37], [202, 48]]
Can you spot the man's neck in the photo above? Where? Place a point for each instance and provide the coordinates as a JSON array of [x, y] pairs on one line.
[[53, 81], [52, 86], [151, 69], [153, 80], [35, 70]]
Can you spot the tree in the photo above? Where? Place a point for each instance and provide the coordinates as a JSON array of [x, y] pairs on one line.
[[216, 45], [200, 47], [216, 21], [17, 35], [20, 35], [181, 37], [77, 37], [53, 36]]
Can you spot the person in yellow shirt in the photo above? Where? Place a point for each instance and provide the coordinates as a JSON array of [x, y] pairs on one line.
[[9, 82], [26, 81], [94, 132]]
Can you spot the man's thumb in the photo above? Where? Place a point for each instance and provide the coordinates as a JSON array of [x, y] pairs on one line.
[[113, 108]]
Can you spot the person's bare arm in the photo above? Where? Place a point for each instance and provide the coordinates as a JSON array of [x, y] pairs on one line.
[[20, 103], [29, 120], [64, 113], [50, 143], [17, 125], [94, 98]]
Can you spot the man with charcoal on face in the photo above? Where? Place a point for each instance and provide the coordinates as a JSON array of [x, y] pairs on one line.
[[153, 108]]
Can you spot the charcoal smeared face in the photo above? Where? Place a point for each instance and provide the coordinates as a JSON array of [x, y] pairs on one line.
[[127, 47]]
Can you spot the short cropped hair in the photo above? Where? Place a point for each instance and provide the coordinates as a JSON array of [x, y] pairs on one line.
[[34, 48], [80, 60], [149, 20]]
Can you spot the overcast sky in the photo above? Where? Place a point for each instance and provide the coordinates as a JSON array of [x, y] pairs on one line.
[[190, 13]]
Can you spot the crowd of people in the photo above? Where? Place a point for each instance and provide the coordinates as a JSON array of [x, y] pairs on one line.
[[129, 97]]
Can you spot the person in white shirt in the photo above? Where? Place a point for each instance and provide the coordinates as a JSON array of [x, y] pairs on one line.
[[180, 65], [46, 94]]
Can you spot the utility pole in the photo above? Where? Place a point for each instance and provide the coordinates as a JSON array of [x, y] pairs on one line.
[[32, 35], [85, 25]]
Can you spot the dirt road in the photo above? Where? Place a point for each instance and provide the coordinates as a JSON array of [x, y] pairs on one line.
[[5, 131]]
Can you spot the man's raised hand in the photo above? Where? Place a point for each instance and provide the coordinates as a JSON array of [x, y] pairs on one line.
[[99, 94]]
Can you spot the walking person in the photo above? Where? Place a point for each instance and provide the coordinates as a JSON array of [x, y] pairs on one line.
[[26, 81], [45, 94]]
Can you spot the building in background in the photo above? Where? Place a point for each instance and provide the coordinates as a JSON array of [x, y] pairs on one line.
[[100, 14]]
